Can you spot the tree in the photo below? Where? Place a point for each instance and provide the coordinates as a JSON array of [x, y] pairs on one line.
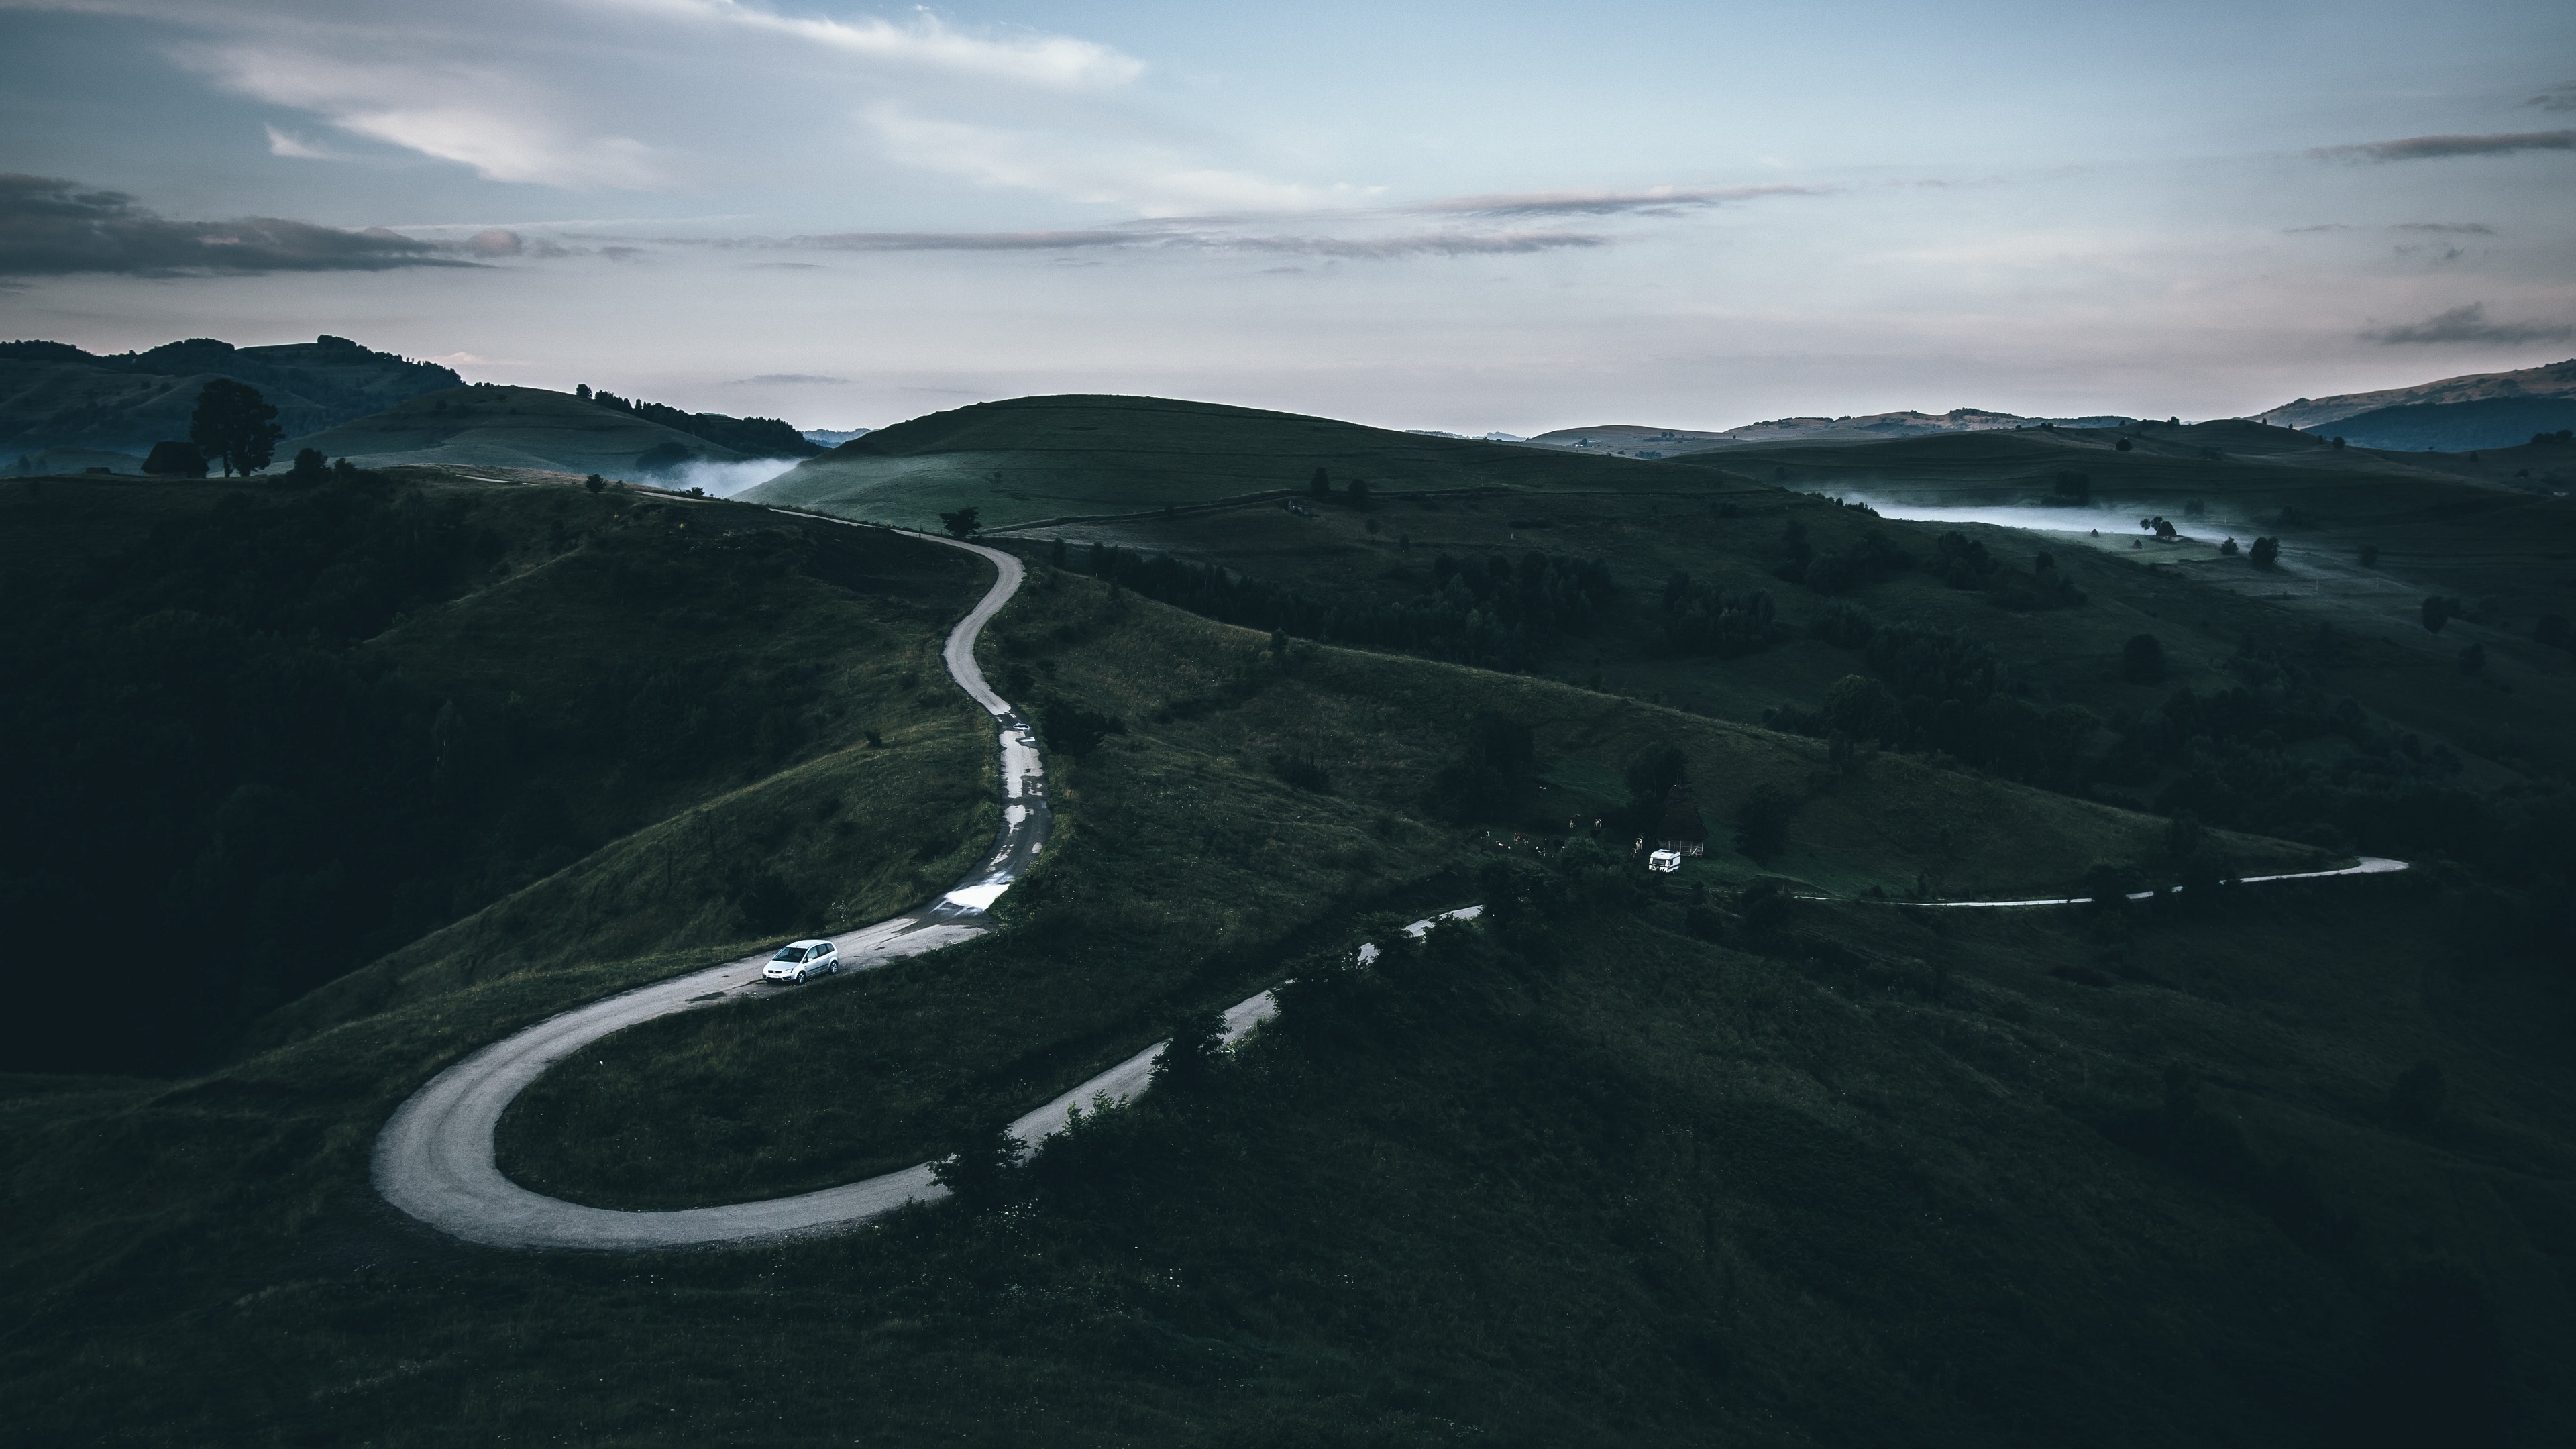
[[979, 1171], [594, 483], [1359, 494], [1860, 707], [1321, 485], [232, 425], [962, 523], [310, 467], [2437, 612], [2338, 445], [2266, 552], [581, 390], [2123, 445], [2142, 659], [1057, 556], [1189, 1059], [175, 460]]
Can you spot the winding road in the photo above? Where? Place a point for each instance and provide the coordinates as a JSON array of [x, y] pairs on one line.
[[435, 1161]]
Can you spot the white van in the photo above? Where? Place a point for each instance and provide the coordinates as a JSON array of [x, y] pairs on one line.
[[1665, 861], [799, 959]]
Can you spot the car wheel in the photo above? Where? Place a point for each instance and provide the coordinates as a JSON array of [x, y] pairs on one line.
[[800, 978], [836, 968]]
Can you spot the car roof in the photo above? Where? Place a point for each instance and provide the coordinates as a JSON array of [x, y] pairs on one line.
[[809, 945]]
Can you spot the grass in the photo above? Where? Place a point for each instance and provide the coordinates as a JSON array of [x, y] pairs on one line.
[[1608, 1185], [1185, 870], [1867, 1174]]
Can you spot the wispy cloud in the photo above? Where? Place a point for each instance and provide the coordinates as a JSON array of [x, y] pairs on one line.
[[2427, 148], [1163, 237], [1659, 200], [53, 227], [2556, 98], [2321, 226], [789, 379], [2456, 228], [2468, 324]]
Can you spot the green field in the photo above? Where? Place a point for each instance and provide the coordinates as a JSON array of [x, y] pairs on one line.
[[491, 426]]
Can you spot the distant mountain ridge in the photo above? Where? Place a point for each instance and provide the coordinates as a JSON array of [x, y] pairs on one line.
[[54, 395], [2550, 380], [1630, 440]]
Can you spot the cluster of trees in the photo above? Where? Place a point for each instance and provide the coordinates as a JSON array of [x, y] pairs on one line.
[[1857, 565], [1963, 563], [751, 437], [1320, 488], [1701, 618], [1945, 690], [1491, 612]]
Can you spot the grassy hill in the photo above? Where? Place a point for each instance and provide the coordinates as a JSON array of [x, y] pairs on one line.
[[487, 425], [1647, 1162], [300, 729], [57, 396], [1037, 458]]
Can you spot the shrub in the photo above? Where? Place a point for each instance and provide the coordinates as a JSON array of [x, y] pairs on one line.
[[2142, 659], [980, 1171], [2266, 552]]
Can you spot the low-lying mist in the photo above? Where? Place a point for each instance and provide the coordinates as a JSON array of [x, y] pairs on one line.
[[724, 480]]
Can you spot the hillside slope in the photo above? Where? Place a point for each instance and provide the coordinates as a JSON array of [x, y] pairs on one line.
[[298, 729], [57, 396], [1045, 457], [2551, 380], [1651, 1162], [510, 427]]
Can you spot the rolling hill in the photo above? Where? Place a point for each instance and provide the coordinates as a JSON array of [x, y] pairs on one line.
[[1647, 1161], [2456, 427], [57, 396], [511, 427], [1031, 459], [2551, 380]]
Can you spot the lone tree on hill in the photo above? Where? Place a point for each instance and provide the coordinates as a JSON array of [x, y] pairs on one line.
[[310, 467], [962, 523], [1359, 494], [1321, 485], [2267, 552], [2437, 612], [176, 460], [232, 425]]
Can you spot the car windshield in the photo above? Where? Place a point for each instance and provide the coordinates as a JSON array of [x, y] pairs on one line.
[[789, 953]]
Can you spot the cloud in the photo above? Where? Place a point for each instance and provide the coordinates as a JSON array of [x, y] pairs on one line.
[[2459, 228], [281, 143], [635, 95], [2556, 98], [1167, 238], [2322, 226], [954, 241], [52, 227], [469, 359], [2467, 324], [2427, 148], [1420, 244], [1660, 200], [789, 379], [1083, 164]]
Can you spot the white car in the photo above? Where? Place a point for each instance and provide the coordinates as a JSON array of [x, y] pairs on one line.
[[799, 959]]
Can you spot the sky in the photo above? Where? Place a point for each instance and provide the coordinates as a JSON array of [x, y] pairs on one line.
[[1498, 216]]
